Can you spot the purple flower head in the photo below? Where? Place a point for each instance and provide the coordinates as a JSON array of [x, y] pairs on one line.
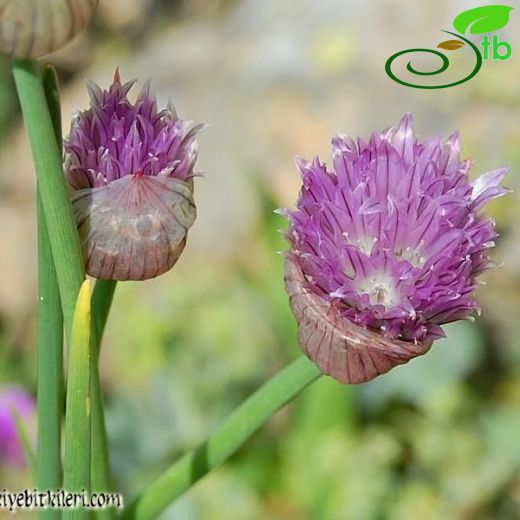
[[130, 170], [13, 399], [385, 249]]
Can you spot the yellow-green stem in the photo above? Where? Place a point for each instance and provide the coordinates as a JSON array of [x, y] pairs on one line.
[[76, 467]]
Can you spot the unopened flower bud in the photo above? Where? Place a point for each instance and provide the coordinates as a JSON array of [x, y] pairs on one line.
[[130, 170]]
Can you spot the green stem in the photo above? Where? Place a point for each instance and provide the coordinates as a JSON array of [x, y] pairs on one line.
[[63, 236], [100, 462], [62, 233], [244, 421], [50, 370], [101, 302], [50, 339]]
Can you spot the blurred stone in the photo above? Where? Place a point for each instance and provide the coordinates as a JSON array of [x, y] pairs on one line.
[[119, 14], [18, 261]]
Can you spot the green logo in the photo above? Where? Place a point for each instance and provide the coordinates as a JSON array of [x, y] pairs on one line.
[[485, 19]]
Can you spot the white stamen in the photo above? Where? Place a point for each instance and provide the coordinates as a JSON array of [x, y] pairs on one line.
[[411, 255], [380, 289], [365, 244]]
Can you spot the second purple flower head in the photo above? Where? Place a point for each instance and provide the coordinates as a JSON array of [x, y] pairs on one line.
[[385, 248]]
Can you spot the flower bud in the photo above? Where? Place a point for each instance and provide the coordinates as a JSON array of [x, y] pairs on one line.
[[385, 249], [34, 28], [130, 170]]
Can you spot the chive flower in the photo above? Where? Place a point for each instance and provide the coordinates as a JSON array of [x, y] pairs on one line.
[[130, 171], [13, 400], [385, 249]]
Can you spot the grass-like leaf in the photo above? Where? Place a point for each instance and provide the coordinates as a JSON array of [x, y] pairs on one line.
[[50, 337]]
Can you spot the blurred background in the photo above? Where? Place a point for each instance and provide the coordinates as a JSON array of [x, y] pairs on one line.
[[436, 439]]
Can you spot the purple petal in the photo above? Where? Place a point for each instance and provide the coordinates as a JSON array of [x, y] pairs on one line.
[[486, 187]]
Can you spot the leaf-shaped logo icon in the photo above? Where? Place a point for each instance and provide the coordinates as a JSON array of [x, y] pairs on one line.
[[488, 18], [451, 45]]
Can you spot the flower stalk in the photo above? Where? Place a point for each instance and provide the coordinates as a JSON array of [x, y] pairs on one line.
[[240, 425], [50, 336], [50, 368], [62, 237], [100, 463]]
